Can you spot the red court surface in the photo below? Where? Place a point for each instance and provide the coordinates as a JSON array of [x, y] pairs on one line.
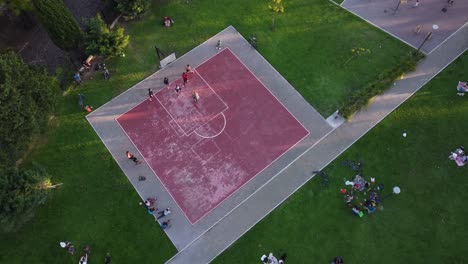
[[203, 152]]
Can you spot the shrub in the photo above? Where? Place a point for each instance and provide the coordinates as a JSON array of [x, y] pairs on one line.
[[356, 100], [132, 9], [100, 40], [59, 23], [276, 6]]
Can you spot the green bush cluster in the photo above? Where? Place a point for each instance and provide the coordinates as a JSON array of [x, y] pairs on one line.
[[359, 98], [276, 6], [100, 40], [132, 9]]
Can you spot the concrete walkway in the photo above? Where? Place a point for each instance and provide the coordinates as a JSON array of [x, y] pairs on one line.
[[263, 201]]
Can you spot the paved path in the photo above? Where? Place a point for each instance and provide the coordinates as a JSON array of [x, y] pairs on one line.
[[267, 198], [402, 22]]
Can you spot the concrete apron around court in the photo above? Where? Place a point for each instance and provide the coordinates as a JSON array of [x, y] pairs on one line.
[[209, 245]]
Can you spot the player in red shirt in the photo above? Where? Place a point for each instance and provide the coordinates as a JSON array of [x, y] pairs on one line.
[[185, 77]]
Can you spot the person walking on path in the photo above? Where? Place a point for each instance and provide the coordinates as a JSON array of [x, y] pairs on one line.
[[107, 259], [164, 213], [132, 157], [218, 45], [188, 68], [166, 81], [150, 94], [196, 97], [185, 77], [178, 89], [416, 4]]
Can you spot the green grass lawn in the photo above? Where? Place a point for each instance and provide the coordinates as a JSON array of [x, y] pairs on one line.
[[426, 223], [96, 205]]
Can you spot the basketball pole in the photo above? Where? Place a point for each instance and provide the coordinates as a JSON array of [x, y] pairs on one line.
[[428, 36], [159, 53]]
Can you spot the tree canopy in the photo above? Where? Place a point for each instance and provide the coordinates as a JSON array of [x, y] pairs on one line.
[[20, 192], [15, 6], [132, 9], [100, 40], [27, 97], [59, 23]]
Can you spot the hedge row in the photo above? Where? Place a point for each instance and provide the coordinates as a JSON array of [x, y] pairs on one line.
[[360, 98]]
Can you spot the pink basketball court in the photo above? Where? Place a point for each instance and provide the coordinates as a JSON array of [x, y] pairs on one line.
[[204, 151]]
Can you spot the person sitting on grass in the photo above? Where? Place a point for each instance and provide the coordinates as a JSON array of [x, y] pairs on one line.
[[168, 21], [369, 206], [462, 88]]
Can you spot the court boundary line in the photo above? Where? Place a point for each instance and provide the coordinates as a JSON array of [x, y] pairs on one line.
[[266, 88], [269, 164], [266, 167], [219, 133], [253, 193]]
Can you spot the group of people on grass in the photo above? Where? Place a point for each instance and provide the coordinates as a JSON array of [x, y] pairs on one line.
[[363, 188], [86, 251], [271, 259]]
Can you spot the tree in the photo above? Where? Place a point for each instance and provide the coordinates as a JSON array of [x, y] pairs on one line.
[[21, 191], [15, 6], [132, 9], [100, 40], [27, 97], [59, 23]]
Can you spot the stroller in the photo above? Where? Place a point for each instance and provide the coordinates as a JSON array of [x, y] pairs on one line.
[[462, 88], [459, 156]]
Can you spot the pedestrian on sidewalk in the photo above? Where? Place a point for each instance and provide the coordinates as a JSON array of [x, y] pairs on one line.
[[416, 4], [150, 94], [164, 213], [195, 97], [185, 77], [178, 89], [132, 157], [166, 224], [166, 81], [218, 45], [188, 68]]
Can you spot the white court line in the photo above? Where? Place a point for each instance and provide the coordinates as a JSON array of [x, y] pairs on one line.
[[160, 180], [265, 87], [198, 143], [448, 37], [192, 129], [219, 133]]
